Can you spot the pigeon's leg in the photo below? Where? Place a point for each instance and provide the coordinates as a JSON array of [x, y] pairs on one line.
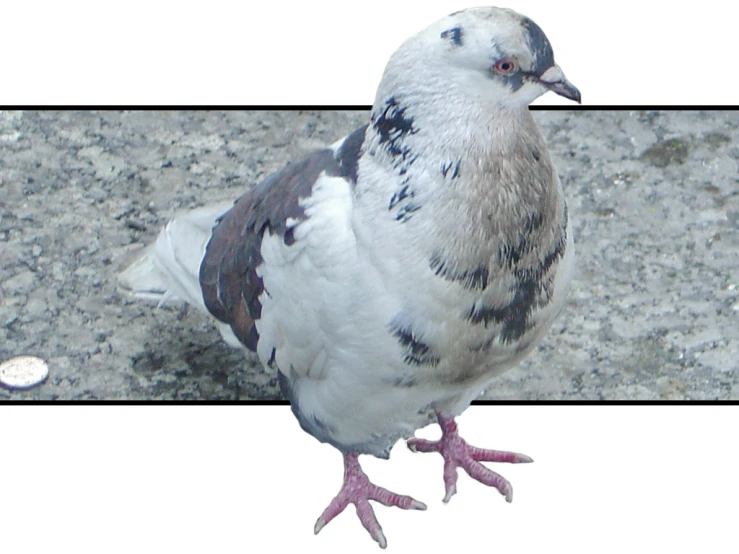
[[457, 453], [358, 490]]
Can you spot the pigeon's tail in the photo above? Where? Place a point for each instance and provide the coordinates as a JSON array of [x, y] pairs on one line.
[[169, 269]]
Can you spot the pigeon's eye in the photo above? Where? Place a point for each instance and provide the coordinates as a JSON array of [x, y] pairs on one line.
[[505, 66]]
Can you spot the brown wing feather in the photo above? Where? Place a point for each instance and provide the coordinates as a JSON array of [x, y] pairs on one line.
[[228, 277]]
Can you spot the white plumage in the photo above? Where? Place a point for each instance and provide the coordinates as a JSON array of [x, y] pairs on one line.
[[390, 277]]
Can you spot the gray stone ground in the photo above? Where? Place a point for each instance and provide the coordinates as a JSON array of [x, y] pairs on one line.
[[654, 198]]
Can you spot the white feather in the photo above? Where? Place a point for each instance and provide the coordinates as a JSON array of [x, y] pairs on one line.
[[168, 269]]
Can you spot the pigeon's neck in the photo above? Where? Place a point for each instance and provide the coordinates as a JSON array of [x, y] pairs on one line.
[[466, 177], [416, 134], [461, 150]]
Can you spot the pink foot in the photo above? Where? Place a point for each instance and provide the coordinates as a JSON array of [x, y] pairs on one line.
[[457, 453], [358, 490]]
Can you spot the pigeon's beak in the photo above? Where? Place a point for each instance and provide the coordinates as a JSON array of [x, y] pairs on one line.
[[554, 79]]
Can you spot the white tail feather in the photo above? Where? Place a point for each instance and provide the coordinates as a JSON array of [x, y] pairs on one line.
[[169, 269]]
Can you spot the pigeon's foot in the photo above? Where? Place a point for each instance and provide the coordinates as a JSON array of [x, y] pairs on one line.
[[358, 490], [457, 453]]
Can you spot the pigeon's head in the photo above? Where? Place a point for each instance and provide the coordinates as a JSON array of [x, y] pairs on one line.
[[493, 54]]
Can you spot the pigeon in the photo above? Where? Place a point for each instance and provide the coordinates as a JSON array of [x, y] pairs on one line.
[[390, 277]]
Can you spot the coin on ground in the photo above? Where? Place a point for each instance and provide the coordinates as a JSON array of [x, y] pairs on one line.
[[23, 372]]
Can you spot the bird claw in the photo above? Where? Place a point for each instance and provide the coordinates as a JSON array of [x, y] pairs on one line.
[[450, 491], [457, 453], [321, 523], [368, 519], [416, 505], [358, 490]]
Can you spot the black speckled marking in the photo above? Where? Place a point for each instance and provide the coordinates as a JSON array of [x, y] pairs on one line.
[[513, 253], [486, 315], [392, 126], [533, 222], [406, 212], [447, 167], [417, 352], [454, 34], [539, 46], [533, 289], [538, 271], [403, 202], [535, 153], [472, 279], [399, 196], [514, 317]]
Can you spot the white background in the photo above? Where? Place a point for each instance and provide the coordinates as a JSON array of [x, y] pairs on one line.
[[191, 479], [317, 52], [247, 479]]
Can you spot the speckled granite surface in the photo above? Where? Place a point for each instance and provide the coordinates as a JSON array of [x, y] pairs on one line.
[[654, 199]]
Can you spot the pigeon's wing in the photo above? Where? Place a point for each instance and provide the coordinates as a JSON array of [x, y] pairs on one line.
[[273, 229]]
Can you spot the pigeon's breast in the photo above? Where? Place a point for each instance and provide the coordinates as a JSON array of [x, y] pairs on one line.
[[410, 337], [447, 272], [462, 324]]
